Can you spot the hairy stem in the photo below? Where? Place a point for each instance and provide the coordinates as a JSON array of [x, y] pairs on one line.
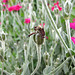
[[2, 68], [39, 59], [55, 28], [4, 71], [68, 32], [57, 16], [53, 23], [59, 67]]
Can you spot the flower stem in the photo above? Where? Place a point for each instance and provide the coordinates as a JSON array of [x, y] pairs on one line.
[[54, 26], [53, 23], [57, 16], [52, 54], [39, 59], [68, 32], [1, 16], [59, 67], [2, 68], [4, 71]]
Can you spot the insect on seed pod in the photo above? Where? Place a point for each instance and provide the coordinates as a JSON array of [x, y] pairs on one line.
[[39, 35]]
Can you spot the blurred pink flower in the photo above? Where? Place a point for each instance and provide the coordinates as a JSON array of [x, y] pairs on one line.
[[46, 37], [52, 8], [48, 4], [14, 8], [0, 23], [43, 25], [27, 20], [72, 25], [60, 8], [73, 39], [56, 5], [4, 1], [5, 5], [73, 20]]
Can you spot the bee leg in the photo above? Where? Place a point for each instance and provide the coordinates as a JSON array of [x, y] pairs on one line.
[[31, 34]]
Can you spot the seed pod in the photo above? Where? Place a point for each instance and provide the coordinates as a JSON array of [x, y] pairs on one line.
[[67, 9], [38, 39], [46, 57], [1, 58]]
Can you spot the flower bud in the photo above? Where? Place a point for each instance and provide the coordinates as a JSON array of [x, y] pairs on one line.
[[67, 9], [46, 57], [1, 58], [2, 36], [38, 39]]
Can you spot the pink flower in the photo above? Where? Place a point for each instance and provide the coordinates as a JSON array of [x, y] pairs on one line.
[[52, 8], [73, 20], [0, 23], [73, 39], [48, 4], [14, 8], [43, 25], [46, 37], [72, 25], [56, 5], [60, 8], [27, 20], [4, 1], [5, 5]]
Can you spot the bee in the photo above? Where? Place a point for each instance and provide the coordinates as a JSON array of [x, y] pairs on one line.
[[38, 29]]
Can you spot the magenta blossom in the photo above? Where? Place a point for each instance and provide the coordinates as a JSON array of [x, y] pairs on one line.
[[4, 1], [72, 25], [27, 20], [14, 8], [73, 20], [56, 5], [0, 23], [5, 7], [73, 39], [48, 4], [43, 25], [46, 37]]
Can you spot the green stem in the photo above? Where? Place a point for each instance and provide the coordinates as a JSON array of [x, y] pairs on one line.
[[4, 71], [54, 26], [59, 67], [53, 53], [68, 32], [25, 55], [57, 16], [2, 68], [32, 62], [1, 16], [39, 59]]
